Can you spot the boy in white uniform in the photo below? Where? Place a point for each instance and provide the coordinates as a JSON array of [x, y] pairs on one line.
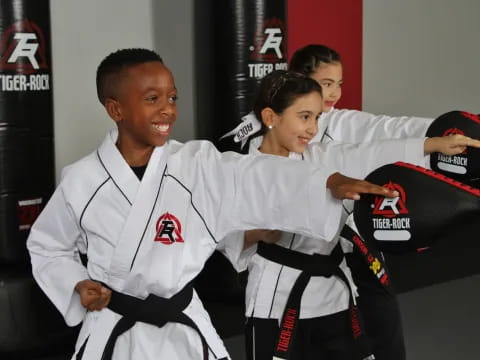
[[148, 213]]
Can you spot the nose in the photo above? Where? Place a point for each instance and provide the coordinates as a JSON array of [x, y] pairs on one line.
[[169, 110]]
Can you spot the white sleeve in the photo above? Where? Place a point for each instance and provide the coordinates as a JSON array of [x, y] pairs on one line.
[[243, 192], [358, 160], [232, 248], [352, 126], [55, 258]]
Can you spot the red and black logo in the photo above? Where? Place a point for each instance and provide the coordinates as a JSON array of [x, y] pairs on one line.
[[169, 229], [269, 44], [391, 207], [23, 48]]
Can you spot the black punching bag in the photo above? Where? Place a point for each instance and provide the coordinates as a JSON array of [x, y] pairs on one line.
[[237, 43], [26, 122], [29, 323]]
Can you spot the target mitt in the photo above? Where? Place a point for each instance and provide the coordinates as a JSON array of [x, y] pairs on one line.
[[464, 167], [430, 207]]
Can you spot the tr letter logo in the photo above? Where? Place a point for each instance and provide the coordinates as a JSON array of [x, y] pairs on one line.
[[25, 49], [169, 229], [391, 207], [273, 41], [391, 203]]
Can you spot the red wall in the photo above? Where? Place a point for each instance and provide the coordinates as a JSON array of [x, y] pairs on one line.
[[337, 24]]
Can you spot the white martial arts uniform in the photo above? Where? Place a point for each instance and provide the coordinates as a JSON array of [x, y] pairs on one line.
[[269, 283], [323, 296], [102, 209], [353, 126]]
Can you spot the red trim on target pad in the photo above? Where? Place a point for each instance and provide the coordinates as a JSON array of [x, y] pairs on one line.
[[440, 177]]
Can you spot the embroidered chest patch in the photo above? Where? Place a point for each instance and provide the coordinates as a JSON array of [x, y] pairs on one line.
[[169, 229]]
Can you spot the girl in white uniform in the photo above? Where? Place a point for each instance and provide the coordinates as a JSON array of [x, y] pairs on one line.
[[293, 311], [378, 307]]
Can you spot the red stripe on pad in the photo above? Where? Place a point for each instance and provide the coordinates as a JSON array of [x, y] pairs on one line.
[[439, 176], [471, 116]]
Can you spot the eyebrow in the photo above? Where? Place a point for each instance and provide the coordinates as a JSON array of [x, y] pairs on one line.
[[153, 88], [328, 79]]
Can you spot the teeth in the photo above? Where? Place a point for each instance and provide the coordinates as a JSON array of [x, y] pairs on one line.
[[162, 127]]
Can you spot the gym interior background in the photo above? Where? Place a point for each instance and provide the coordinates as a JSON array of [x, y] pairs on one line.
[[410, 57]]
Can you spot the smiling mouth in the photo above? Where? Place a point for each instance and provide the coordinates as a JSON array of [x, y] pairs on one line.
[[162, 128], [304, 140]]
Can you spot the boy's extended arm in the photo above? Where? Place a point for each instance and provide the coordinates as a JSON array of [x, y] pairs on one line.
[[243, 192], [270, 192]]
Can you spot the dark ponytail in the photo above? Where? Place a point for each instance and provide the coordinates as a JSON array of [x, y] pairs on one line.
[[307, 59]]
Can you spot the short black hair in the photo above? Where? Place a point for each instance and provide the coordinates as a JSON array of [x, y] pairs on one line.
[[110, 69], [307, 59]]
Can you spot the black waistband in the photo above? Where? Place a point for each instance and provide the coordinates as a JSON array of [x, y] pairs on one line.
[[310, 265], [153, 310], [315, 264]]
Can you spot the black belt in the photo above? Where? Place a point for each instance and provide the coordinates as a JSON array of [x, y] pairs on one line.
[[153, 310], [310, 265], [372, 257]]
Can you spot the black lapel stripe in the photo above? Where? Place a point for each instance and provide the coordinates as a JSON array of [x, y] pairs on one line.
[[86, 206], [326, 134], [346, 210], [111, 177], [194, 207]]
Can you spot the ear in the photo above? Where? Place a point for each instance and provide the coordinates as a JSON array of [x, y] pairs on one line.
[[269, 117], [114, 109]]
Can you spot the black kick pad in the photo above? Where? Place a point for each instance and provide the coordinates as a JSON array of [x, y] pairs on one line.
[[464, 167], [431, 207]]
